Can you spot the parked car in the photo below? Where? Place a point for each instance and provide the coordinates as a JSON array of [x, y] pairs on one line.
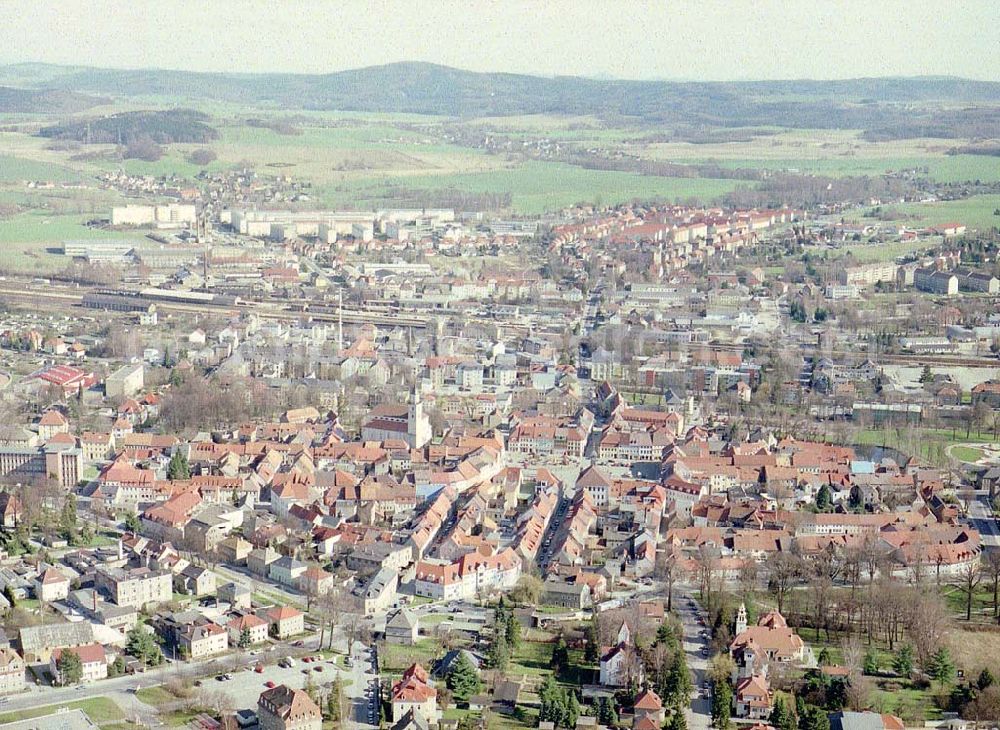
[[269, 684]]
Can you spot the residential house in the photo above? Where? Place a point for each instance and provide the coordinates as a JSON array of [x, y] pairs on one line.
[[254, 626], [402, 627], [752, 698], [93, 658], [414, 693], [648, 705], [195, 581], [201, 639], [11, 671], [285, 621], [52, 585], [284, 708], [378, 593], [239, 597]]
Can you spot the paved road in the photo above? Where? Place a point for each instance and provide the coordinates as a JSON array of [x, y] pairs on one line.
[[699, 715], [244, 688], [980, 517]]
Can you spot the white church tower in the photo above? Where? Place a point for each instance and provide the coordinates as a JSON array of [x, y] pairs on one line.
[[741, 620]]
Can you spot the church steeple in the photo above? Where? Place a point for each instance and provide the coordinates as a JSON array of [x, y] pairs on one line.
[[741, 620]]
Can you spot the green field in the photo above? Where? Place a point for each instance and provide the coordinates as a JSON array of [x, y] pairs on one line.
[[26, 238], [359, 160], [18, 169], [956, 168], [537, 187], [975, 212], [101, 710], [884, 251]]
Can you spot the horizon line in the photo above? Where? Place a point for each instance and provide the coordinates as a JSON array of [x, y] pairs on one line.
[[600, 77]]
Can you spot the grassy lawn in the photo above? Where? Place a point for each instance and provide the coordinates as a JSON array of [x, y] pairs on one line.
[[884, 251], [397, 657], [498, 721], [928, 438], [179, 718], [531, 658], [909, 703], [101, 710], [966, 453], [154, 695]]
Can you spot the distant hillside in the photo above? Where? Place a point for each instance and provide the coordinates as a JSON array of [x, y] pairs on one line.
[[875, 104], [47, 101], [160, 127]]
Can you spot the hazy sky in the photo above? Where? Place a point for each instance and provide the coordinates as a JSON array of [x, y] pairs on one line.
[[704, 39]]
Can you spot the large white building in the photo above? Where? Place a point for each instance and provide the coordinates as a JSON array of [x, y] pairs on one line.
[[172, 215]]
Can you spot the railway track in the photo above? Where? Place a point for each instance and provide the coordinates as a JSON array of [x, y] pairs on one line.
[[265, 310]]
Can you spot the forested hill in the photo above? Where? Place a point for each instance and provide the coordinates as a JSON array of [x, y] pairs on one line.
[[45, 101], [431, 89]]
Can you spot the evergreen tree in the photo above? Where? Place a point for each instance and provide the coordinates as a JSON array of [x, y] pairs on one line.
[[498, 655], [132, 523], [814, 718], [560, 655], [985, 679], [870, 663], [676, 721], [335, 700], [823, 659], [722, 699], [550, 707], [245, 639], [663, 634], [781, 716], [70, 667], [513, 632], [675, 689], [606, 714], [462, 680], [178, 468], [67, 518], [902, 663], [823, 499], [142, 645], [572, 713], [941, 666]]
